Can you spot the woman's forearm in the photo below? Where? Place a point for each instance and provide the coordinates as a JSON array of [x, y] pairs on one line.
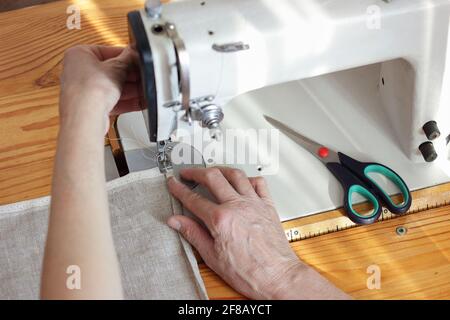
[[79, 228], [80, 260]]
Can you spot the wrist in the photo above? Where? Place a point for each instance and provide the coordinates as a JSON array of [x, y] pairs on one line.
[[76, 98], [303, 282], [288, 283], [89, 110], [88, 120]]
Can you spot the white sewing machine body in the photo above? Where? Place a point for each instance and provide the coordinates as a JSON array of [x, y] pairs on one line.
[[361, 76]]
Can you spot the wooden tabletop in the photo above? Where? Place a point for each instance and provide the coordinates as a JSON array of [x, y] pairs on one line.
[[33, 41]]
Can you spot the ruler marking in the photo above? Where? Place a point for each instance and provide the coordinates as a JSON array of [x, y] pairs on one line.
[[323, 227]]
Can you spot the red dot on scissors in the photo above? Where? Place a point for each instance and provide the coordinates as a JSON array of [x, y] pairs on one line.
[[323, 152]]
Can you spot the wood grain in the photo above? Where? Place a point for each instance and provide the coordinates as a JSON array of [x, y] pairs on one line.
[[33, 43], [413, 266], [28, 127]]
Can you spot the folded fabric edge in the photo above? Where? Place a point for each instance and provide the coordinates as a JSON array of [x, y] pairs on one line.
[[45, 201], [177, 208]]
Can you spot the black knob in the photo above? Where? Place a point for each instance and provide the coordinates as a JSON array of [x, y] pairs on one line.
[[428, 152], [431, 130]]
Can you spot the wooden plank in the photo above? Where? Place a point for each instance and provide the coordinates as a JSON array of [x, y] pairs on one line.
[[413, 266], [343, 256], [28, 129], [34, 39], [33, 42], [335, 220]]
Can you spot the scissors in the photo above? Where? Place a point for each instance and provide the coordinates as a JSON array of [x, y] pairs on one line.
[[354, 177]]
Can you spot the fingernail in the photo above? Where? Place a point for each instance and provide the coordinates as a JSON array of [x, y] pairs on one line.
[[172, 179], [174, 223]]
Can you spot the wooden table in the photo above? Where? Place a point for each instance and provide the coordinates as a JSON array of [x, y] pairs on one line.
[[33, 41]]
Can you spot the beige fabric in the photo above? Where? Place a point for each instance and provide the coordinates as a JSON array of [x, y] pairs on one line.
[[156, 263]]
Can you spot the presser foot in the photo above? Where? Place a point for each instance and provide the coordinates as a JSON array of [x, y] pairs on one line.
[[174, 156]]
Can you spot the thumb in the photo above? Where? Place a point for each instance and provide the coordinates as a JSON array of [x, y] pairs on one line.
[[193, 232], [125, 57], [117, 69], [120, 65]]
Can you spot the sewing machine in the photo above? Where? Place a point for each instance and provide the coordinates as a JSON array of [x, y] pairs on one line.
[[367, 77]]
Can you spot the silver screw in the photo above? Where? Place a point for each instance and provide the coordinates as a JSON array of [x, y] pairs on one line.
[[401, 231], [153, 8], [212, 115]]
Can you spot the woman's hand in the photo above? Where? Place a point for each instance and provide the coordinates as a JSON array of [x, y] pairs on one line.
[[245, 243], [104, 75]]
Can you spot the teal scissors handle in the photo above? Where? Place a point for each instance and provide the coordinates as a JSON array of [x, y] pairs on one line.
[[351, 185], [368, 187]]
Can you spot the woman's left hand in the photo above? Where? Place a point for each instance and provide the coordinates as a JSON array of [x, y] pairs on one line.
[[106, 75]]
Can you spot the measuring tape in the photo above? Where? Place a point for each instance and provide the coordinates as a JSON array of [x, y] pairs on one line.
[[314, 229]]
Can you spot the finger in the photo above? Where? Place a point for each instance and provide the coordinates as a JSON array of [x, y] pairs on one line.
[[260, 186], [124, 106], [213, 180], [120, 65], [238, 180], [117, 68], [107, 52], [191, 200], [194, 233], [125, 57]]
